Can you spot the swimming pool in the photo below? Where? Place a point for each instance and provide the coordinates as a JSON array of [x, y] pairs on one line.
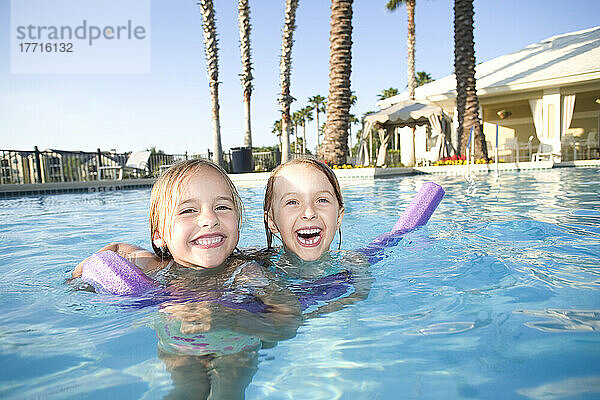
[[498, 297]]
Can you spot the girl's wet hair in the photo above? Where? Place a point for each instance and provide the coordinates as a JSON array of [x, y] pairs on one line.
[[310, 162], [166, 194]]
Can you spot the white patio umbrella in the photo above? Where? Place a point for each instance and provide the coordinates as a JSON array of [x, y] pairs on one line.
[[400, 114]]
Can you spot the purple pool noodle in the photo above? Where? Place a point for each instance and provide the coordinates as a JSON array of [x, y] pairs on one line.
[[108, 272], [420, 208], [416, 214]]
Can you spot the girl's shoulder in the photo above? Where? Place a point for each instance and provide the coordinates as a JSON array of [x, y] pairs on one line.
[[255, 268], [262, 256], [289, 265]]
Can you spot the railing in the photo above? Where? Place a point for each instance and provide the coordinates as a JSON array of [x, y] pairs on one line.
[[572, 149], [266, 160], [575, 148], [25, 166], [159, 161], [514, 151], [17, 166]]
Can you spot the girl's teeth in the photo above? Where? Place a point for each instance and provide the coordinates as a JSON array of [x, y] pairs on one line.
[[309, 231], [208, 241], [309, 241]]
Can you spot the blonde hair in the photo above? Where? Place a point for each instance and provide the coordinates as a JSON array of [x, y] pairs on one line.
[[166, 193], [310, 162]]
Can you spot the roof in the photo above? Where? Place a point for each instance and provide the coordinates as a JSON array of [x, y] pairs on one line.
[[559, 60], [406, 111]]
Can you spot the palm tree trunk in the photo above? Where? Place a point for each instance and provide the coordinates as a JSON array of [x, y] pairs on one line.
[[317, 101], [285, 67], [467, 102], [410, 45], [247, 123], [246, 76], [304, 137], [212, 61], [216, 124], [286, 129], [410, 67], [318, 128], [335, 143], [295, 137]]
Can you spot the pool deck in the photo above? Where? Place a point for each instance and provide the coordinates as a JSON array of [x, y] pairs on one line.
[[260, 178]]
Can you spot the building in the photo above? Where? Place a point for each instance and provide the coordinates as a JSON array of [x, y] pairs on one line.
[[544, 98]]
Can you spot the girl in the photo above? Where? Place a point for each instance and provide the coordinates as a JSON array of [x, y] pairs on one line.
[[303, 203], [203, 329], [304, 207], [195, 216]]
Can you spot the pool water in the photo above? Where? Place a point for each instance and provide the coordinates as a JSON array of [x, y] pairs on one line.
[[497, 297]]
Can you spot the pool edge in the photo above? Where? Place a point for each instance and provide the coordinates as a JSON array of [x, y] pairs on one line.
[[260, 179]]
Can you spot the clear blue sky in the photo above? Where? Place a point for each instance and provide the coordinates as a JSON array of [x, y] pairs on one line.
[[170, 107]]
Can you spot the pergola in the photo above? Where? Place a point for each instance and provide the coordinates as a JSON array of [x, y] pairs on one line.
[[406, 113]]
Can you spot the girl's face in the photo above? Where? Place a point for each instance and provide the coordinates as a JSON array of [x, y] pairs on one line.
[[204, 224], [304, 211]]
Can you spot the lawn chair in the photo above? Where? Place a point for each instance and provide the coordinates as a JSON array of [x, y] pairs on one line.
[[511, 148], [568, 142], [136, 162], [545, 151]]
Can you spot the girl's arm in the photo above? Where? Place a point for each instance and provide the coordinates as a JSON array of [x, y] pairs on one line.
[[142, 258], [283, 316], [279, 320], [272, 325], [358, 267]]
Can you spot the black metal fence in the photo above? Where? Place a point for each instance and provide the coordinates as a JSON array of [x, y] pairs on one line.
[[22, 166]]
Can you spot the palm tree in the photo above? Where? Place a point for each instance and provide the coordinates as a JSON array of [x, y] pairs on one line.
[[212, 68], [410, 41], [277, 130], [305, 115], [423, 78], [285, 67], [353, 99], [246, 75], [335, 143], [276, 127], [318, 102], [386, 93], [467, 102], [296, 120]]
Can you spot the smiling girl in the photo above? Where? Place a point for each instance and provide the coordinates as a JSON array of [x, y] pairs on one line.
[[208, 335], [304, 205], [304, 208], [195, 217]]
